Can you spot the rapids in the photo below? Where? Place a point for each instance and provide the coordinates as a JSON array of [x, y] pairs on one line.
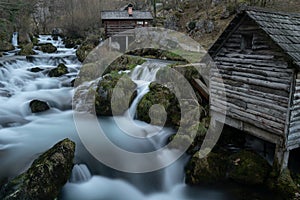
[[24, 136]]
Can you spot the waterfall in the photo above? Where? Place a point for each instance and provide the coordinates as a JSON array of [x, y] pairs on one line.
[[143, 75], [14, 39], [80, 173], [24, 135]]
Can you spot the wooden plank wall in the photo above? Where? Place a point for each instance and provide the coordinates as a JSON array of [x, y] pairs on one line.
[[294, 132], [257, 81], [115, 27]]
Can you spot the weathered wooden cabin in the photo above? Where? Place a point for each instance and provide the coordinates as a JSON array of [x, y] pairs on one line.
[[258, 59], [116, 22]]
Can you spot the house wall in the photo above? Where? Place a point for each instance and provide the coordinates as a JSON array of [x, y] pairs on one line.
[[294, 129], [257, 81], [113, 27]]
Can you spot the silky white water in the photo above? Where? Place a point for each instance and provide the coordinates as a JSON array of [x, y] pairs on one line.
[[24, 136]]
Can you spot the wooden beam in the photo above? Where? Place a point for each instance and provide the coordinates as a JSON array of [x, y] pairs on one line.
[[201, 87]]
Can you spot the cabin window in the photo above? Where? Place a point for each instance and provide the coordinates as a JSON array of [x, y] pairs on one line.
[[146, 23], [140, 23], [247, 41]]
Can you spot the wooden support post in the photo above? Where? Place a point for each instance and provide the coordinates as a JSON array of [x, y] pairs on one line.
[[126, 48], [109, 43], [281, 158]]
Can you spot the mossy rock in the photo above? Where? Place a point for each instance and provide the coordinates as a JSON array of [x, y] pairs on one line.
[[6, 46], [37, 106], [249, 168], [286, 186], [47, 48], [60, 70], [209, 169], [46, 176], [124, 62], [194, 142], [115, 93], [72, 42], [26, 50], [160, 95], [158, 53], [87, 46]]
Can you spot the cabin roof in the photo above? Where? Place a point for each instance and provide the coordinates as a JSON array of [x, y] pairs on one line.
[[282, 28], [123, 15]]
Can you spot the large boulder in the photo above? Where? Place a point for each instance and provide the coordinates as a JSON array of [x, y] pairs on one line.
[[46, 176], [88, 45], [114, 94], [6, 46], [47, 48], [286, 186], [159, 95], [27, 50], [71, 42], [60, 70], [209, 169], [248, 168], [37, 106], [124, 62]]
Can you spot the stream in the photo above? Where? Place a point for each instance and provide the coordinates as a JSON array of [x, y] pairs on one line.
[[24, 136]]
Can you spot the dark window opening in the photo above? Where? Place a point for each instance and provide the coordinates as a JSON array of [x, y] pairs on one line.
[[247, 41]]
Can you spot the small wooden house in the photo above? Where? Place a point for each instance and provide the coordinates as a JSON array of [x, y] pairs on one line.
[[258, 59], [116, 22]]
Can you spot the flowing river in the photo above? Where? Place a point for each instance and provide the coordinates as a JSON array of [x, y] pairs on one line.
[[24, 136]]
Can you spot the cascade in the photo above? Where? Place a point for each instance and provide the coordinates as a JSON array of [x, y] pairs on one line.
[[14, 39], [23, 135]]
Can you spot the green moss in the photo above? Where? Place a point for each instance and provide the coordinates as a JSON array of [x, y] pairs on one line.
[[161, 95], [26, 50], [209, 169], [123, 63], [46, 176], [47, 48], [248, 168], [60, 70], [114, 95], [159, 53], [286, 185]]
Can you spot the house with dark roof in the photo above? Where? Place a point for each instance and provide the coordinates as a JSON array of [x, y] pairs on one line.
[[257, 62], [116, 22]]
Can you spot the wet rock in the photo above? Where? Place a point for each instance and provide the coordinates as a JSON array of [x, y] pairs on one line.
[[123, 63], [60, 70], [248, 168], [57, 32], [72, 43], [36, 69], [55, 37], [209, 169], [47, 48], [286, 186], [26, 50], [114, 95], [37, 106], [88, 45], [159, 53], [6, 46], [159, 95], [46, 176]]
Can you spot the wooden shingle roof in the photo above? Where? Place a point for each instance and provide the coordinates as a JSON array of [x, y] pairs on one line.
[[123, 15], [282, 28]]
